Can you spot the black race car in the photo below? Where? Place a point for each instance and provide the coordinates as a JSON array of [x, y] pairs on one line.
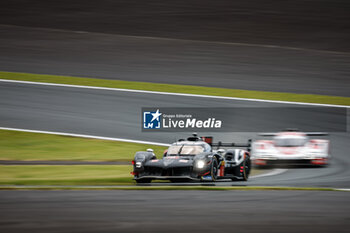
[[194, 159]]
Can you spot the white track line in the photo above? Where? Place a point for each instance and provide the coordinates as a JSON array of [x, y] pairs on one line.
[[274, 172], [86, 136], [171, 93], [342, 189]]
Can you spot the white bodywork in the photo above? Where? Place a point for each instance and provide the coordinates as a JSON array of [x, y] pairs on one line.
[[288, 147]]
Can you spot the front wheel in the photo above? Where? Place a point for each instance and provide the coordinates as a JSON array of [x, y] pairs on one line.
[[246, 169], [214, 169]]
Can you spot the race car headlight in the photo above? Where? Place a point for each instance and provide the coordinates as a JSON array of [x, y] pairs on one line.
[[200, 164]]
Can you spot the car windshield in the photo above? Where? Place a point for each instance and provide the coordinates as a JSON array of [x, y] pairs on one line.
[[185, 150], [290, 142]]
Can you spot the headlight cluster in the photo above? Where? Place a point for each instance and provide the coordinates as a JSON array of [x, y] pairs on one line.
[[200, 164]]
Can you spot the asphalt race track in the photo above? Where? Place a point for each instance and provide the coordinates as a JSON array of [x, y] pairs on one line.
[[117, 114], [297, 46], [288, 46], [174, 211]]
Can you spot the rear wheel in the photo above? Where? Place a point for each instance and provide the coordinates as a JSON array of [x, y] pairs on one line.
[[243, 171]]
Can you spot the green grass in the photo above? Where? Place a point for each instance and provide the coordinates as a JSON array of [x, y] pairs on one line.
[[25, 146], [337, 100], [68, 175], [65, 175]]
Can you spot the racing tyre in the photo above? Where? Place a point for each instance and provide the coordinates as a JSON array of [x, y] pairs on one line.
[[246, 169], [214, 169]]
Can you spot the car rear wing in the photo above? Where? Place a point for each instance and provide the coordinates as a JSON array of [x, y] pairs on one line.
[[219, 144]]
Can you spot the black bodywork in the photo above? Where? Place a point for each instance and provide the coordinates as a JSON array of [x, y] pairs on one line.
[[208, 165]]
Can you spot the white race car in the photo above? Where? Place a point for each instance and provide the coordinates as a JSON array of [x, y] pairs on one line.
[[291, 148]]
